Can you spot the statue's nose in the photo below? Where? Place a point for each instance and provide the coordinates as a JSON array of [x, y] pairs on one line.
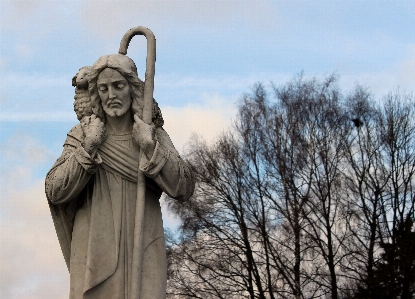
[[111, 93]]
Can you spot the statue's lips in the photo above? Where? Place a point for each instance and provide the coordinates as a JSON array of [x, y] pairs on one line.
[[114, 104]]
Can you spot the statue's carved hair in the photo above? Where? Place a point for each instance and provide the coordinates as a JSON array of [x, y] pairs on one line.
[[127, 68]]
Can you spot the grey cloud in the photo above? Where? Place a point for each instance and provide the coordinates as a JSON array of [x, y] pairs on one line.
[[109, 18]]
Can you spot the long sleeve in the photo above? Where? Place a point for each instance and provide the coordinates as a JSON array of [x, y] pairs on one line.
[[72, 170], [167, 169]]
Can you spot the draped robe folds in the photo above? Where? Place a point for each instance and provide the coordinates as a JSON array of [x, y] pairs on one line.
[[93, 205]]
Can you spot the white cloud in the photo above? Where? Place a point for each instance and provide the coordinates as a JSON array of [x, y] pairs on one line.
[[3, 65], [35, 80], [170, 220], [400, 75], [24, 50], [21, 17], [229, 84], [20, 156], [47, 116], [179, 91], [406, 70], [208, 119], [36, 96], [31, 261], [30, 257]]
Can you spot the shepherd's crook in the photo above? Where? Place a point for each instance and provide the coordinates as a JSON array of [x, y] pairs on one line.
[[150, 66], [135, 287]]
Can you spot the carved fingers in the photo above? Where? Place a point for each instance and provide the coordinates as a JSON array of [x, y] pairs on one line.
[[95, 132], [144, 135]]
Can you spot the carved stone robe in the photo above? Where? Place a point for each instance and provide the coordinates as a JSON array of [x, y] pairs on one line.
[[93, 205]]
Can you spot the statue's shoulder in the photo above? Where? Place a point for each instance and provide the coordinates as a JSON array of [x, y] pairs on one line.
[[75, 136]]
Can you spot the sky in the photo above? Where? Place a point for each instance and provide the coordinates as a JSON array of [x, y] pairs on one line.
[[209, 53]]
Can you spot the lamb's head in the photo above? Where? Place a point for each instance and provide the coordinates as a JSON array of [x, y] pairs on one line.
[[82, 103]]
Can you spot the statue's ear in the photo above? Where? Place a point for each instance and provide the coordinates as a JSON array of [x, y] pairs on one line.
[[74, 80]]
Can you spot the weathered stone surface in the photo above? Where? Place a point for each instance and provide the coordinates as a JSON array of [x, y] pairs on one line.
[[104, 190]]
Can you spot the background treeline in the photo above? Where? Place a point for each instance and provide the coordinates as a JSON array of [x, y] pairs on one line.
[[310, 195]]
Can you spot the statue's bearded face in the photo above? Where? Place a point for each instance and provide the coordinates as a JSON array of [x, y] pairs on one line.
[[114, 91]]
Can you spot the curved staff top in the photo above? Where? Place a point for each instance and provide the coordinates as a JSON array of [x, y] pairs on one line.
[[137, 262], [150, 66]]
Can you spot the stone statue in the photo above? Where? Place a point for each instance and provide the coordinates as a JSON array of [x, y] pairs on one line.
[[104, 190]]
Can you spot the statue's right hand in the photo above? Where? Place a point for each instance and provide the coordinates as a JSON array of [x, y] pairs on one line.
[[95, 133]]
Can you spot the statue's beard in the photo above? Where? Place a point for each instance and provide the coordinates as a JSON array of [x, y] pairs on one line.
[[116, 112]]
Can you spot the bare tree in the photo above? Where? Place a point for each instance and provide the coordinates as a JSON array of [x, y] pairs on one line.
[[300, 199], [365, 179], [222, 247], [386, 181]]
